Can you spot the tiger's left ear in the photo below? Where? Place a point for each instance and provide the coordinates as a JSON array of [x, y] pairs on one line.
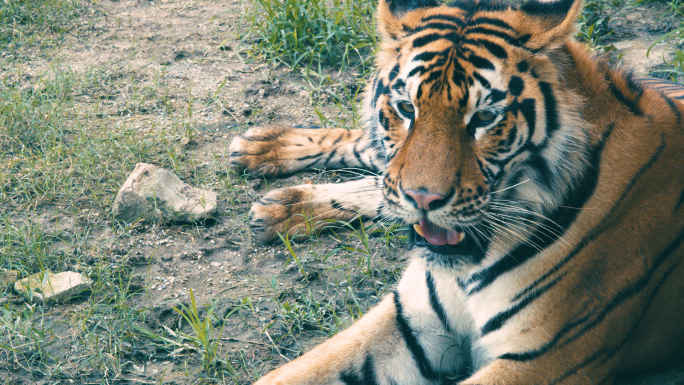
[[548, 23], [390, 11]]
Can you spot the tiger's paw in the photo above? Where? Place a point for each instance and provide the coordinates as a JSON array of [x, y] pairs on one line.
[[286, 211], [259, 151]]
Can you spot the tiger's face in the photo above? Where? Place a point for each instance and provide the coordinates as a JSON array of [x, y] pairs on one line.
[[465, 112]]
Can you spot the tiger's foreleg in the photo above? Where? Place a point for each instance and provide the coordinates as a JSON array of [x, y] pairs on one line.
[[417, 335], [274, 151], [302, 210]]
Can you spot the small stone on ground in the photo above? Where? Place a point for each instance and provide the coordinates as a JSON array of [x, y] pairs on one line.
[[52, 287], [159, 195]]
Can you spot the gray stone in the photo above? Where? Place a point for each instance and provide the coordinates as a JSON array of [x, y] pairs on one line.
[[159, 195], [43, 287]]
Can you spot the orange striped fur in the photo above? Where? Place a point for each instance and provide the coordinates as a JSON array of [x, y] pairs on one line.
[[546, 187]]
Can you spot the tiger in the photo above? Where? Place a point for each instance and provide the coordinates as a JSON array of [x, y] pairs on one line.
[[543, 190]]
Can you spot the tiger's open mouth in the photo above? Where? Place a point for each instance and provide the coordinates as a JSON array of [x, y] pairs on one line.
[[436, 235], [445, 241]]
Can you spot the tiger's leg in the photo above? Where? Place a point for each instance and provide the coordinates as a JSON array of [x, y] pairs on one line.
[[306, 208], [417, 335], [299, 210], [275, 151]]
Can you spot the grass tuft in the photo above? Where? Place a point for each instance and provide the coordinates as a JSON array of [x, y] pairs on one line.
[[25, 23], [312, 34]]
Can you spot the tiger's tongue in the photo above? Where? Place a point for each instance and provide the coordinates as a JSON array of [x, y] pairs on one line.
[[438, 236]]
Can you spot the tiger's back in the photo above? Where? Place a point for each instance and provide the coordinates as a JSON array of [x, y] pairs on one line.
[[545, 189]]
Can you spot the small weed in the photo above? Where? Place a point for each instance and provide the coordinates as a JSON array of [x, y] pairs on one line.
[[594, 27], [204, 338]]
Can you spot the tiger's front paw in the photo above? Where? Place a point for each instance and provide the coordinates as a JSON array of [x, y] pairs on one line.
[[259, 151], [285, 211]]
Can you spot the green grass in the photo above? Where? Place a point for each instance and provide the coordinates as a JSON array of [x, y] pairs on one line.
[[674, 39], [26, 23], [313, 37], [69, 139], [311, 34]]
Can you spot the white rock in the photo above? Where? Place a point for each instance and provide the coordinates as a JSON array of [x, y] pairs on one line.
[[159, 195], [48, 286]]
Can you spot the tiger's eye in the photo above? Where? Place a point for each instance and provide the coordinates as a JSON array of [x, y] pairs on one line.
[[406, 108], [485, 116]]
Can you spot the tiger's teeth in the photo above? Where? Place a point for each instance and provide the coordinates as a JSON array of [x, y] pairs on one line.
[[419, 229], [461, 236]]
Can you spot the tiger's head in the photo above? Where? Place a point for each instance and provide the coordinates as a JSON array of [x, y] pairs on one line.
[[476, 124]]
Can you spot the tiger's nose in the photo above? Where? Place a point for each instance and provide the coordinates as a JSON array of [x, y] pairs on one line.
[[425, 200]]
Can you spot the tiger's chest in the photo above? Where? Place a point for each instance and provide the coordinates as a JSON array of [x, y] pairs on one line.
[[502, 315]]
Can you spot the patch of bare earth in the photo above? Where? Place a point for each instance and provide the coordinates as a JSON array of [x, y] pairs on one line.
[[188, 51]]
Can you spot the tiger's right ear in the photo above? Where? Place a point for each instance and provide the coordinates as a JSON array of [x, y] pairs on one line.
[[548, 23], [391, 11]]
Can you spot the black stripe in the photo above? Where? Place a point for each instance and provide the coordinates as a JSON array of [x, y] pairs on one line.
[[497, 95], [480, 62], [666, 87], [367, 377], [516, 85], [350, 378], [379, 90], [336, 140], [383, 120], [488, 20], [448, 18], [399, 7], [438, 25], [358, 156], [607, 353], [527, 107], [428, 56], [633, 105], [541, 168], [675, 109], [482, 80], [422, 41], [561, 220], [434, 301], [550, 108], [601, 227], [496, 322], [399, 85], [394, 72], [368, 371], [434, 75], [307, 157], [418, 70], [330, 156], [493, 48], [495, 33], [679, 201], [412, 342], [620, 298], [554, 8]]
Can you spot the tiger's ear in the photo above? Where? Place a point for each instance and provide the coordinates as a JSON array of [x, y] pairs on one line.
[[548, 23], [390, 11]]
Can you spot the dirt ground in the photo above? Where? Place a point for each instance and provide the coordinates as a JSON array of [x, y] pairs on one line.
[[192, 46]]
